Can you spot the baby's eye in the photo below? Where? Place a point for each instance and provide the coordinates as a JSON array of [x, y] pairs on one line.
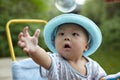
[[75, 34], [61, 34]]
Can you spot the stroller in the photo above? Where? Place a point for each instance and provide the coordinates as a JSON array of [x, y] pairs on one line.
[[25, 69]]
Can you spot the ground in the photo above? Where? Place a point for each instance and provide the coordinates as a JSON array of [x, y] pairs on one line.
[[5, 68]]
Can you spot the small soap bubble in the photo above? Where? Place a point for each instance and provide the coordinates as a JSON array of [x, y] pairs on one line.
[[65, 6]]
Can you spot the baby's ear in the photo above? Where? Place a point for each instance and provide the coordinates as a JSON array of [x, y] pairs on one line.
[[86, 47]]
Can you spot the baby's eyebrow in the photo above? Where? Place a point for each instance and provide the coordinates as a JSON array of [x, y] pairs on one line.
[[60, 30]]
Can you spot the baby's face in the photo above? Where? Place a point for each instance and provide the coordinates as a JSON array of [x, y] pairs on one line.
[[71, 41]]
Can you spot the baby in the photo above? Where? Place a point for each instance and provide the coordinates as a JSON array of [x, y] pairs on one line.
[[71, 38]]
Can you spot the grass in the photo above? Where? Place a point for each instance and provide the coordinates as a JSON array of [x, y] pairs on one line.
[[109, 60]]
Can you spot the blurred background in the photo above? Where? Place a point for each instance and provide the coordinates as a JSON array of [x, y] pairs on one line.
[[105, 13]]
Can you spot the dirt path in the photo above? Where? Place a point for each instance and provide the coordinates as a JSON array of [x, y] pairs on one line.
[[5, 68]]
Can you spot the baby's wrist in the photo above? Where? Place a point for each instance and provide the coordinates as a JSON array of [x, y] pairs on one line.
[[34, 50]]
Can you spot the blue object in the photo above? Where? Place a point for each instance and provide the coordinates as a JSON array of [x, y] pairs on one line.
[[89, 25], [113, 76], [26, 69]]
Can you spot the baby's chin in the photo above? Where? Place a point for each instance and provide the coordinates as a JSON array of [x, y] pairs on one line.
[[66, 56]]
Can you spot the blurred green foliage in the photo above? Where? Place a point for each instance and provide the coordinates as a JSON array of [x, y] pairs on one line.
[[109, 60], [107, 17], [111, 33], [22, 9]]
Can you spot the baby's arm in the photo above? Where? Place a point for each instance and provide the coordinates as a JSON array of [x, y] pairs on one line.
[[30, 46]]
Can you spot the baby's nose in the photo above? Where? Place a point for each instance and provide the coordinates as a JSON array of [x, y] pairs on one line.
[[67, 38]]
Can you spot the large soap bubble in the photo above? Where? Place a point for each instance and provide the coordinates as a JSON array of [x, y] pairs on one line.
[[65, 5]]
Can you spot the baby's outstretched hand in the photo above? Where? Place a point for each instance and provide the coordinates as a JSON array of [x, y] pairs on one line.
[[27, 42]]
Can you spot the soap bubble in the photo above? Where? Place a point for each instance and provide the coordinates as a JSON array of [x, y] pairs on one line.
[[65, 5]]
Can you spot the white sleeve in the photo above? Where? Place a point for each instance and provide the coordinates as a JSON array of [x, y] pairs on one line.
[[98, 71]]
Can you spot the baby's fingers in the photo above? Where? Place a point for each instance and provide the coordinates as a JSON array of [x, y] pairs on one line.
[[21, 44], [37, 33], [26, 50], [25, 32], [20, 35]]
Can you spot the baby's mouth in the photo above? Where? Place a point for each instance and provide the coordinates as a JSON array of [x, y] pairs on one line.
[[67, 46]]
